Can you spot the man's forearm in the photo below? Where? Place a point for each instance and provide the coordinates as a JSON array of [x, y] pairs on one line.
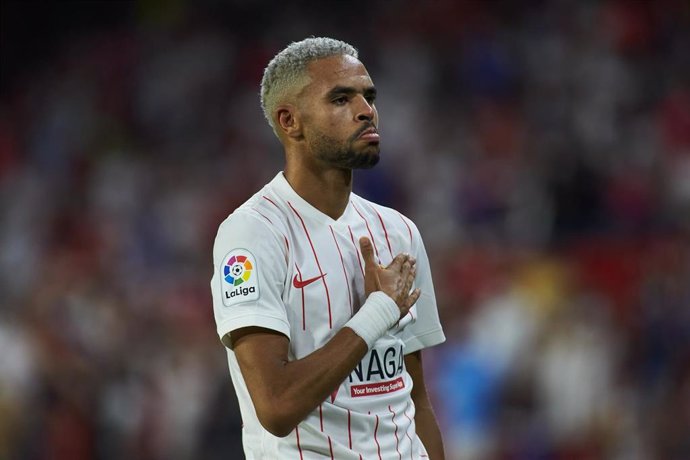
[[425, 420], [285, 392], [310, 380], [429, 432]]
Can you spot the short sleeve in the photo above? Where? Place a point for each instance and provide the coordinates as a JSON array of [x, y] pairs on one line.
[[249, 272], [426, 330]]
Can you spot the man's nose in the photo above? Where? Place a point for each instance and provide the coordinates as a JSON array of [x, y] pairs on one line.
[[366, 111]]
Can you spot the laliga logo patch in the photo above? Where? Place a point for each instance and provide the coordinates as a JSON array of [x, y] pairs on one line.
[[237, 270], [239, 280]]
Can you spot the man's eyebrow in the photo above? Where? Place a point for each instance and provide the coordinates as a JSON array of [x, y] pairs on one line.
[[350, 90]]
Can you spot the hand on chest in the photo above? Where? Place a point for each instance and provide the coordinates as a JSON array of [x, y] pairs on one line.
[[325, 284]]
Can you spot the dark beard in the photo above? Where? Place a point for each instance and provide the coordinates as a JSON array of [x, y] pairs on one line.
[[344, 156], [349, 159]]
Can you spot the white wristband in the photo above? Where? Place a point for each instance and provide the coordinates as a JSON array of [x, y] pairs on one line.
[[378, 314]]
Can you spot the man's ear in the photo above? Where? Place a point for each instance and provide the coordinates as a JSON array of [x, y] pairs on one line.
[[288, 121]]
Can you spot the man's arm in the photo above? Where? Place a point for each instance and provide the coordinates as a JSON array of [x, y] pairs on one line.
[[425, 420], [284, 392]]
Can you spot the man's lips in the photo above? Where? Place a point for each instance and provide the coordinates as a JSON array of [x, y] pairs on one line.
[[369, 134]]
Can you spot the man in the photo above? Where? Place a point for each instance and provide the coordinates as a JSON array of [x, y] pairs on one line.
[[324, 299]]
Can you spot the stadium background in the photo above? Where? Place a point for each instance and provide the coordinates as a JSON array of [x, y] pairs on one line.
[[543, 148]]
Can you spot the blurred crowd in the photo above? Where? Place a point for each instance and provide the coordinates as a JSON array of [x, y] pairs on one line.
[[543, 149]]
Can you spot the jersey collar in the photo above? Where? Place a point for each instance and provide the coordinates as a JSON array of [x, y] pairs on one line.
[[285, 190]]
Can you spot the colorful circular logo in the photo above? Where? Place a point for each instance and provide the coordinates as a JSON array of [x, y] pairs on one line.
[[237, 270]]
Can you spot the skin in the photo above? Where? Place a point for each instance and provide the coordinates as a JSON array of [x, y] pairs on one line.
[[319, 124], [320, 128]]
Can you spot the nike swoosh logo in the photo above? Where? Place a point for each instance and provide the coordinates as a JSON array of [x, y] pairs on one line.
[[299, 284]]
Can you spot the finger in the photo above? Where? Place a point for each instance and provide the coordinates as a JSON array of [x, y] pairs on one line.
[[412, 299], [412, 261], [405, 272], [367, 253], [409, 279], [397, 263]]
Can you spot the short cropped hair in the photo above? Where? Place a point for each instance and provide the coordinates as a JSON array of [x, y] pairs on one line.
[[288, 69]]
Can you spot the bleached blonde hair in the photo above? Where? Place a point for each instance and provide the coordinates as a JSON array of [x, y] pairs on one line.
[[287, 69]]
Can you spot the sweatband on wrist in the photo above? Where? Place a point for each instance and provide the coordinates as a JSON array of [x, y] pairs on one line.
[[378, 314]]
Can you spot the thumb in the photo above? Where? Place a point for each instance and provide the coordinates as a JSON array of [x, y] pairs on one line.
[[367, 252]]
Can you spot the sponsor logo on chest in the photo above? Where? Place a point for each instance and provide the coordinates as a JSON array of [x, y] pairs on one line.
[[379, 372]]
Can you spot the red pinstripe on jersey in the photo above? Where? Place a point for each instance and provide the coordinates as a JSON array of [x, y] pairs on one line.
[[342, 262], [304, 315], [273, 203], [321, 416], [349, 429], [378, 446], [330, 444], [270, 201], [299, 446], [262, 215], [397, 440], [359, 256], [287, 245], [406, 225], [385, 231], [366, 222], [318, 264], [408, 429]]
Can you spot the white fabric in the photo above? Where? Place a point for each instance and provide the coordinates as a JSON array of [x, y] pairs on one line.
[[281, 264], [378, 314]]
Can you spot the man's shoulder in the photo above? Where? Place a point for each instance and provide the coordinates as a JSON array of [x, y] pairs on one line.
[[258, 214], [386, 213]]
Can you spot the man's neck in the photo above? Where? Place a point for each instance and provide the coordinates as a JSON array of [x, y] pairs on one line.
[[328, 190]]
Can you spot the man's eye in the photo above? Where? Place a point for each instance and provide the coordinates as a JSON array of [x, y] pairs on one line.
[[371, 99], [340, 100]]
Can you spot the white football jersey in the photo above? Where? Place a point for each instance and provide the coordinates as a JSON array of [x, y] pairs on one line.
[[281, 264]]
